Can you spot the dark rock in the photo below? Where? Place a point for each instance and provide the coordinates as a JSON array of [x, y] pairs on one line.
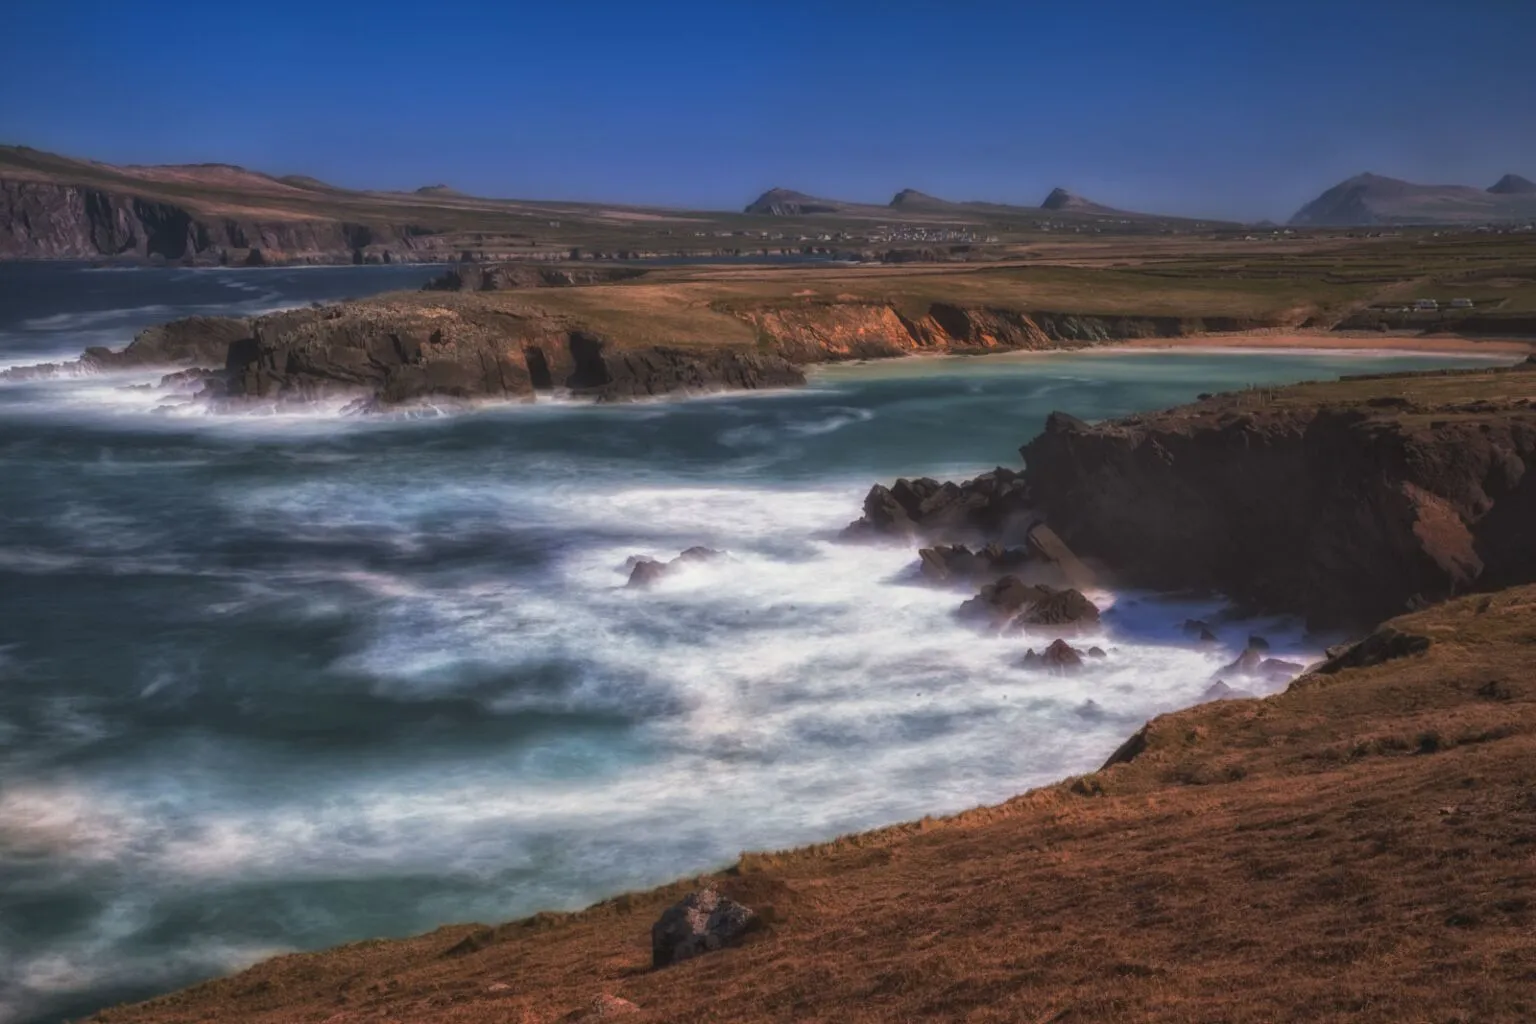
[[1258, 643], [704, 921], [1252, 664], [1097, 652], [1052, 550], [1306, 499], [644, 571], [984, 507], [1061, 608], [958, 563], [1011, 601], [1207, 637], [1385, 644], [1221, 691], [1131, 749], [1060, 658], [1195, 627]]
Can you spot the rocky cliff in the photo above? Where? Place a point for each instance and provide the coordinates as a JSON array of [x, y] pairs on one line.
[[1348, 502], [402, 349], [58, 221], [820, 331]]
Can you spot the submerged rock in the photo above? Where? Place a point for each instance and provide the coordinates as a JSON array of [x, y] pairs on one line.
[[1060, 658], [1252, 664], [644, 571], [702, 922]]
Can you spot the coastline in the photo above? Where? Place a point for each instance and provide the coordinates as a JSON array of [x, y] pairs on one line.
[[1336, 342]]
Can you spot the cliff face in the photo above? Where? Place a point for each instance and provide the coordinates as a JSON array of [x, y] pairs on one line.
[[816, 332], [1347, 502], [397, 352], [52, 221]]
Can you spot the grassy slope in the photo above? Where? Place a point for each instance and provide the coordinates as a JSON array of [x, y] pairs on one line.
[[1357, 848]]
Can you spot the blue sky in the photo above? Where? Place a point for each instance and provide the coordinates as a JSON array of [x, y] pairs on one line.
[[1243, 109]]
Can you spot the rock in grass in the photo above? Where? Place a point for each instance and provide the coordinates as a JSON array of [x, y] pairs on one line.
[[703, 922]]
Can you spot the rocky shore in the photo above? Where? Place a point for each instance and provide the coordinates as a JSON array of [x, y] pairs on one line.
[[503, 331], [1344, 502]]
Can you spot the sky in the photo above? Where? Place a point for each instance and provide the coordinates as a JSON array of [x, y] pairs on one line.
[[1243, 109]]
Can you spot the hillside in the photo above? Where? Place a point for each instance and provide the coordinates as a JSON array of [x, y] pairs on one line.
[[1373, 199], [55, 207]]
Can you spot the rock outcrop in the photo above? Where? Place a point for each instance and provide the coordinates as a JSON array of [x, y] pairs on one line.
[[398, 350], [1012, 605], [1323, 499], [992, 505], [644, 571], [703, 922], [1060, 658]]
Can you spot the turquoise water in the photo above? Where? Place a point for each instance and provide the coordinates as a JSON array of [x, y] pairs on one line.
[[272, 683]]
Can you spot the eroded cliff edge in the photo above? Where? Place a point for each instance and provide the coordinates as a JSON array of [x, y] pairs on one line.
[[1348, 501]]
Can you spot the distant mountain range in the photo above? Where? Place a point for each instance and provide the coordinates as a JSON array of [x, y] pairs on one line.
[[1368, 199], [783, 202]]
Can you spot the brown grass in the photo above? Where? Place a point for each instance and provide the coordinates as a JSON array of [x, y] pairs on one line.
[[1361, 848]]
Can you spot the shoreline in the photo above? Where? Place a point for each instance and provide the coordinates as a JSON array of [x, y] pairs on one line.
[[1330, 341]]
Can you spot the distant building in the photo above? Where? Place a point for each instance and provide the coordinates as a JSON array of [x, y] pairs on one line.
[[1426, 306], [1461, 303]]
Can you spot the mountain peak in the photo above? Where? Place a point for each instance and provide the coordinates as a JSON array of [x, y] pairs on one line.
[[786, 202], [1513, 185], [908, 197]]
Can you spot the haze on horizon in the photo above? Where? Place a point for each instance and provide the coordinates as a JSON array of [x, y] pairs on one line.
[[1198, 109]]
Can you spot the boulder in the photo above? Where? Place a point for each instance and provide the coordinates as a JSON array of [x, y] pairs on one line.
[[702, 922], [1060, 658], [1385, 644]]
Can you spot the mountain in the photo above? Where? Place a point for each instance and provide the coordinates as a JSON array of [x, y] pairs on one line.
[[1374, 199], [1063, 201], [785, 202], [1512, 185], [912, 199]]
